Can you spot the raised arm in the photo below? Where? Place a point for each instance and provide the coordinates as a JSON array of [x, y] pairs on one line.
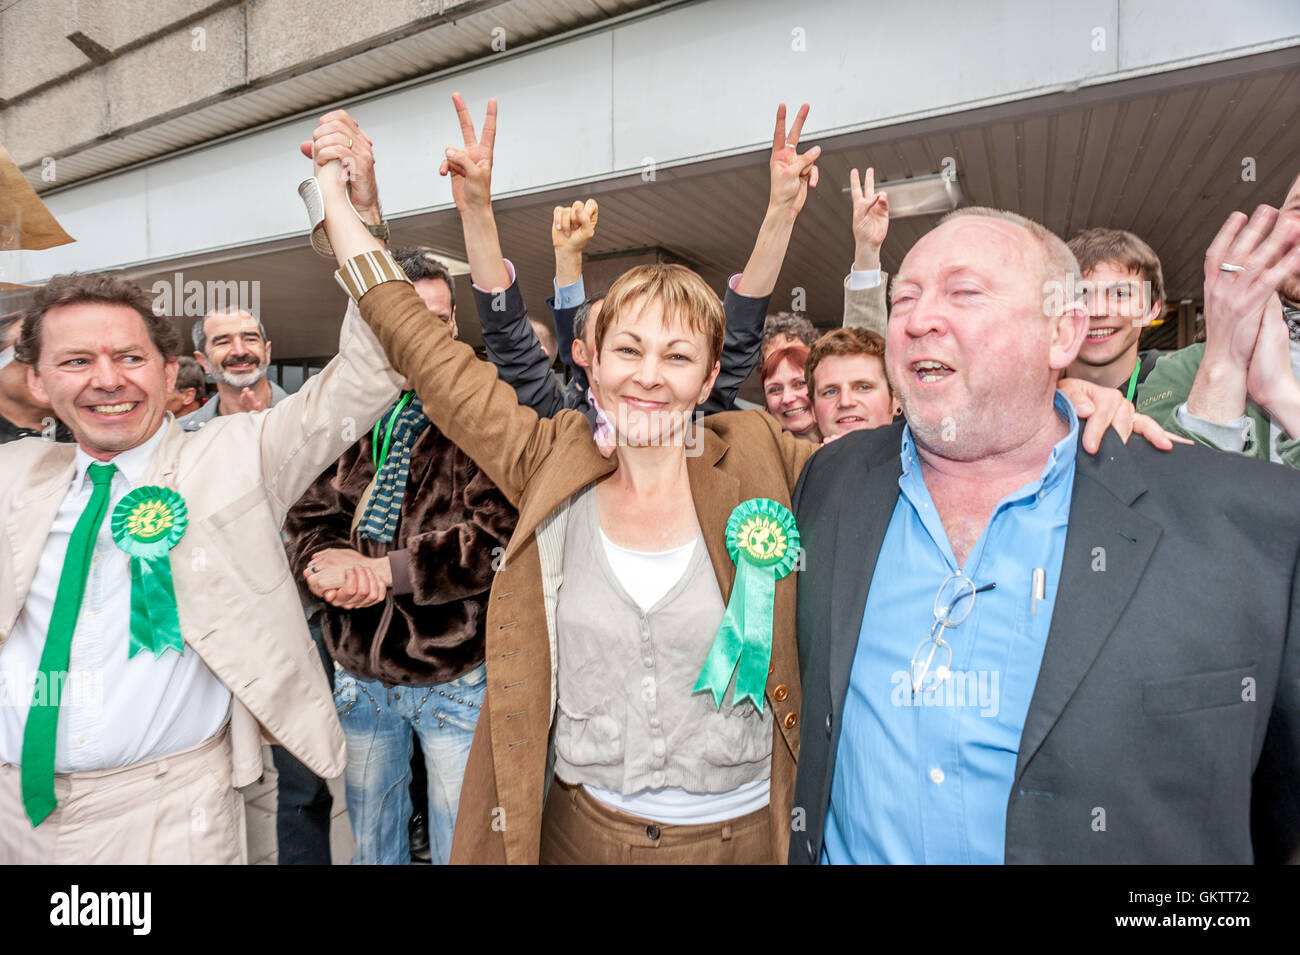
[[791, 175], [308, 431], [462, 396], [572, 227], [864, 286]]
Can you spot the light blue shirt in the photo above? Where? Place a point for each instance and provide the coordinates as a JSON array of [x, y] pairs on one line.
[[926, 778], [571, 295]]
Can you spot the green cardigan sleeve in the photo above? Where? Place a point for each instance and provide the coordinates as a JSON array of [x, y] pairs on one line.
[[1168, 386]]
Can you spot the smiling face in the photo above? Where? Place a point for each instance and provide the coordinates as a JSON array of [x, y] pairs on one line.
[[850, 393], [651, 373], [786, 394], [103, 375], [236, 354], [972, 355], [1119, 310]]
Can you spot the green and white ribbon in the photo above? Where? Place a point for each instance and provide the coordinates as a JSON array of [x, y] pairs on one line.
[[147, 524], [764, 544]]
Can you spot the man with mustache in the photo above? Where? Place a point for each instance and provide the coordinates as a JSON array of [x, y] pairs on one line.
[[232, 347]]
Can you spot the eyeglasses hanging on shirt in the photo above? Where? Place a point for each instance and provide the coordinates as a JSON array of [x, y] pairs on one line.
[[952, 604]]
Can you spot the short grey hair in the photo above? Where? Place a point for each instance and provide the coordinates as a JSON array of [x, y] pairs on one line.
[[1059, 263], [788, 323], [200, 336]]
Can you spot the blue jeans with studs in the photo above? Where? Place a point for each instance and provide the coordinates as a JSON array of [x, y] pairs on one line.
[[378, 722]]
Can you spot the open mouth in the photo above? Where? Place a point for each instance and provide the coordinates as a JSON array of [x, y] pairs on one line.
[[240, 365], [1101, 334], [795, 412], [851, 419], [930, 372], [118, 409]]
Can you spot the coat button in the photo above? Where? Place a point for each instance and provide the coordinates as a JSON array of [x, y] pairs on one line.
[[771, 668], [780, 693], [652, 832], [812, 853], [828, 724], [791, 721]]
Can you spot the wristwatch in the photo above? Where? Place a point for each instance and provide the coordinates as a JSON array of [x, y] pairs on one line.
[[310, 192]]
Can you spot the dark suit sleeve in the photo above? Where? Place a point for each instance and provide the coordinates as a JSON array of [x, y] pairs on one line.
[[563, 319], [1275, 805], [513, 347], [740, 349]]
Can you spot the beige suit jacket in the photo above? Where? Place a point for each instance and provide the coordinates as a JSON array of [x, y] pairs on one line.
[[238, 604]]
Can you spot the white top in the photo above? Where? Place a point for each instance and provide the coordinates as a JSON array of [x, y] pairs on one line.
[[114, 711], [647, 577]]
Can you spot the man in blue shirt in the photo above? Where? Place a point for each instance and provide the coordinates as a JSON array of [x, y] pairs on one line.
[[1012, 651]]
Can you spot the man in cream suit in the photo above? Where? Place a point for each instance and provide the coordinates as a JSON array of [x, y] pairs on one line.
[[148, 745]]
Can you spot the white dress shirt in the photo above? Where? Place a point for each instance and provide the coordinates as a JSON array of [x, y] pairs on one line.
[[114, 711]]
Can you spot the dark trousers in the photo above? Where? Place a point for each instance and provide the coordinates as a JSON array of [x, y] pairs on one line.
[[303, 800]]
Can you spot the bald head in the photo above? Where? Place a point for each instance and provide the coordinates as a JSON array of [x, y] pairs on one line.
[[986, 313], [1060, 269]]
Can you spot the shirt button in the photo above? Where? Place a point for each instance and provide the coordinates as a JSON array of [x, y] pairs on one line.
[[652, 832], [1042, 494], [659, 748], [654, 722], [81, 740], [657, 780], [645, 635], [649, 662], [936, 775]]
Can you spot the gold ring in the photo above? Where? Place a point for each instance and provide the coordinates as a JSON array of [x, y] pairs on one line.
[[349, 142], [1229, 267]]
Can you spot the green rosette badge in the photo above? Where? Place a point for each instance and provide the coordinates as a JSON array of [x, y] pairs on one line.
[[147, 524], [764, 544]]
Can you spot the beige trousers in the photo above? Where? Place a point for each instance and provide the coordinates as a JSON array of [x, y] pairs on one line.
[[178, 809]]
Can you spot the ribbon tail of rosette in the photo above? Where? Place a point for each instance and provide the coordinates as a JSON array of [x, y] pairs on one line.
[[727, 645], [159, 596], [756, 654], [141, 624]]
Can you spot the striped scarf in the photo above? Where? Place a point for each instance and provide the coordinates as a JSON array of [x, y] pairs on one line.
[[379, 523]]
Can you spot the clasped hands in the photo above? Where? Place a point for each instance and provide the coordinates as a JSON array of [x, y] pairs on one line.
[[344, 578], [1247, 348]]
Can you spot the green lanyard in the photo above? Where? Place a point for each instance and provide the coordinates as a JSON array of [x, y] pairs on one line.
[[1133, 381], [382, 456]]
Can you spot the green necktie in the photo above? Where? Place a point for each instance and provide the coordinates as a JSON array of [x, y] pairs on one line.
[[43, 716]]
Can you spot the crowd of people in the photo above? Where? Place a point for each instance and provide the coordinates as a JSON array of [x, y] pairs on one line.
[[932, 604]]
